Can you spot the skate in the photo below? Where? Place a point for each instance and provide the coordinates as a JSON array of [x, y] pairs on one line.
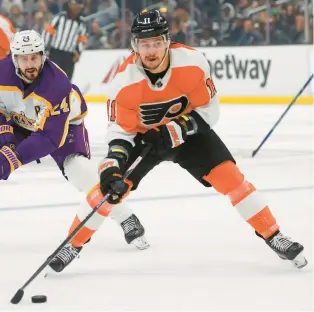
[[286, 249], [64, 257], [134, 232]]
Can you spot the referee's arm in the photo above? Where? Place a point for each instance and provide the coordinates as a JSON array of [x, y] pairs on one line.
[[50, 31], [81, 42]]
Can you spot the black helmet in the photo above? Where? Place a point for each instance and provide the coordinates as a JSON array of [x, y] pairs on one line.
[[149, 24]]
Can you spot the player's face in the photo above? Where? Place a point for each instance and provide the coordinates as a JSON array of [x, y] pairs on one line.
[[152, 51], [30, 65]]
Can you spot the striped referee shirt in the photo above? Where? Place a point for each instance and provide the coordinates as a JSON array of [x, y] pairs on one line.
[[65, 34]]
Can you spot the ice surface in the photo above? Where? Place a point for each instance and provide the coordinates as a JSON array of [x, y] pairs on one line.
[[203, 256]]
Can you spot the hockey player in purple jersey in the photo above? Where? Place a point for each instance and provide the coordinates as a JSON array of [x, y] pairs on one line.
[[42, 113]]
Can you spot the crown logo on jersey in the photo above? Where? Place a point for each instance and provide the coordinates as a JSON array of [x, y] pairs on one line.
[[154, 113], [22, 120]]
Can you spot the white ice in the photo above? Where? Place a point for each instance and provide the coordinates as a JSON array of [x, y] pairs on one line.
[[203, 256]]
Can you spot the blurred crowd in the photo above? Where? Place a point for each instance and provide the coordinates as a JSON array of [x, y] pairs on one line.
[[196, 22]]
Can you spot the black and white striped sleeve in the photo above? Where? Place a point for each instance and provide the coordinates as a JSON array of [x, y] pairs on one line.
[[82, 38], [50, 30]]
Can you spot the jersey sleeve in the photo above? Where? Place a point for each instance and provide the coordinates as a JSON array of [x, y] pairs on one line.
[[122, 119], [204, 98]]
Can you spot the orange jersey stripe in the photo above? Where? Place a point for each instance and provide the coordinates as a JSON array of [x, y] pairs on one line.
[[6, 32]]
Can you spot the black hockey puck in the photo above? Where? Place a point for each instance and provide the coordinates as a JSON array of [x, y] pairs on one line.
[[39, 299]]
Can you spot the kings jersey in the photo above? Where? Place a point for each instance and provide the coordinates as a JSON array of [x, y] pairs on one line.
[[135, 105], [50, 104]]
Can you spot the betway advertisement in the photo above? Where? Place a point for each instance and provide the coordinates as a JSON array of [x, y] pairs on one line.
[[241, 74]]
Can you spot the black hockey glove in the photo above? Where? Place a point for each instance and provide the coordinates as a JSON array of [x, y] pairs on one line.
[[172, 134], [111, 176]]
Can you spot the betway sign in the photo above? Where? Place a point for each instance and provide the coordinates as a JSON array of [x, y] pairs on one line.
[[239, 72]]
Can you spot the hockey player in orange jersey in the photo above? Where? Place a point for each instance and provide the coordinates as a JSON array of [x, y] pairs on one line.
[[6, 32], [164, 95]]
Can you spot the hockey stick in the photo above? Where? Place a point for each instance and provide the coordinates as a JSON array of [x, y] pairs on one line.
[[281, 117], [20, 293]]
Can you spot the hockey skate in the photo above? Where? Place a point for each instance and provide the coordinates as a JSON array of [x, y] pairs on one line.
[[134, 232], [64, 257], [286, 249]]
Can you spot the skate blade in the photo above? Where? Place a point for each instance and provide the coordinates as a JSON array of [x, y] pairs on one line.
[[299, 261], [140, 243]]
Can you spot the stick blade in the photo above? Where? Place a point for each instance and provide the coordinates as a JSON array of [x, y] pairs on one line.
[[18, 296]]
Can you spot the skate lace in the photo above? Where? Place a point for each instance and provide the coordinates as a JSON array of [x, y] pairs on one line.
[[128, 225], [67, 253], [281, 242]]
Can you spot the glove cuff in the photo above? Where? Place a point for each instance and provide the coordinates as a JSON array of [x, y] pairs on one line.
[[108, 163], [6, 129], [11, 158]]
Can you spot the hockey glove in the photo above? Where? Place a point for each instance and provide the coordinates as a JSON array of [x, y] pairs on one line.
[[6, 135], [172, 134], [111, 178], [8, 162]]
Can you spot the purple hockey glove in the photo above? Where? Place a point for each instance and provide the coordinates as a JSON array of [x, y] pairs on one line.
[[8, 162]]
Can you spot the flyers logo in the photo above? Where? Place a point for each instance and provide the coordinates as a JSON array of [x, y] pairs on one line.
[[154, 113]]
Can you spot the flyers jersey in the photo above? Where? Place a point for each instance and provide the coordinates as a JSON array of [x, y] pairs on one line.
[[7, 30], [135, 105]]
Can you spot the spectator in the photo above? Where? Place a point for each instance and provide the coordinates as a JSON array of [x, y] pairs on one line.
[[235, 31], [297, 34], [17, 17], [290, 14], [206, 39], [276, 36], [7, 5], [118, 40], [97, 39], [43, 8], [55, 6], [227, 16], [90, 7], [243, 8], [178, 31], [111, 12], [219, 19], [248, 35], [40, 24]]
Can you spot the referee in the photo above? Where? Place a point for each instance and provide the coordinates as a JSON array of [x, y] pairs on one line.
[[65, 37]]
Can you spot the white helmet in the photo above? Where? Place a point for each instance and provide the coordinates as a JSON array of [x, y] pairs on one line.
[[27, 42]]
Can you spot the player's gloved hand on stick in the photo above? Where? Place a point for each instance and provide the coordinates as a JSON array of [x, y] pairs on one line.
[[6, 135], [172, 134], [8, 162], [111, 177]]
